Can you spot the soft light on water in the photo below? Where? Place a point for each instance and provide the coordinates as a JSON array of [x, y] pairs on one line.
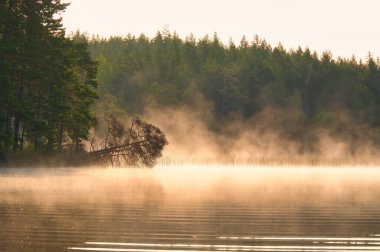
[[191, 208]]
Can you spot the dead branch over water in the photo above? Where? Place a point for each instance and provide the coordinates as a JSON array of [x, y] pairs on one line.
[[141, 144]]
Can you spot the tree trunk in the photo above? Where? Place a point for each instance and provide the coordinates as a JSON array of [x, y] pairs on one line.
[[49, 145], [20, 95], [22, 137], [60, 137], [16, 132], [8, 128]]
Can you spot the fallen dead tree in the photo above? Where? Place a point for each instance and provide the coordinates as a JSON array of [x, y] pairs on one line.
[[140, 144]]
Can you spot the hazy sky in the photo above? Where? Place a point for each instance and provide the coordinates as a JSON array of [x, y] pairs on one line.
[[345, 27]]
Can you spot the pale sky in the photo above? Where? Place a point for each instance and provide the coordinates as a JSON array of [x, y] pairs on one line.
[[344, 27]]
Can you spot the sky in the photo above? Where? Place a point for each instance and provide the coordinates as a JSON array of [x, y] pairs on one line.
[[344, 27]]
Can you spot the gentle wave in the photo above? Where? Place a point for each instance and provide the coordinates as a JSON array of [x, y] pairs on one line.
[[177, 211]]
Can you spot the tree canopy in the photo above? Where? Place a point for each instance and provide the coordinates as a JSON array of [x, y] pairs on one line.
[[242, 80], [47, 80]]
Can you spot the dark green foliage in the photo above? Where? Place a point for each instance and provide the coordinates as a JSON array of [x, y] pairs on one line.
[[47, 81], [168, 72]]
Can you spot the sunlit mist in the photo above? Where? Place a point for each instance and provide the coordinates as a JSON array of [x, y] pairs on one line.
[[191, 208], [189, 126]]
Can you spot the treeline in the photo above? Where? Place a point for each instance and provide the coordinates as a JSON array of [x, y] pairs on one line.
[[239, 80], [47, 81]]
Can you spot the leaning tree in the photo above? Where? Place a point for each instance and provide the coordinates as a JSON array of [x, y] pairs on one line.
[[139, 144]]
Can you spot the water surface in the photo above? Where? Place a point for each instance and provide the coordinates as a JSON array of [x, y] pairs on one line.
[[188, 208]]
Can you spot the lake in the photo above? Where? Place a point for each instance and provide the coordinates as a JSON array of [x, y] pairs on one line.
[[190, 208]]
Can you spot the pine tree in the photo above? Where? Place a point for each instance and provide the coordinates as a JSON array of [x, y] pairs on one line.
[[47, 80]]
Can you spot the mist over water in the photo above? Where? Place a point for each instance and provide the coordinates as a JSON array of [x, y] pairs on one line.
[[191, 208], [271, 137]]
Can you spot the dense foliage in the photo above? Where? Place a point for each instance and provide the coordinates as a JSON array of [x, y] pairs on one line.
[[241, 80], [47, 81]]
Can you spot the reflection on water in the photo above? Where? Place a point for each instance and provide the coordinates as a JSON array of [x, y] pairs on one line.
[[180, 209]]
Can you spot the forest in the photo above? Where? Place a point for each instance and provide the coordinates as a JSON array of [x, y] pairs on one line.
[[295, 93], [47, 81], [57, 89]]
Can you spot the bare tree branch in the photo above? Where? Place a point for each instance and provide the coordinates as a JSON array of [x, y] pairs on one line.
[[140, 145]]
